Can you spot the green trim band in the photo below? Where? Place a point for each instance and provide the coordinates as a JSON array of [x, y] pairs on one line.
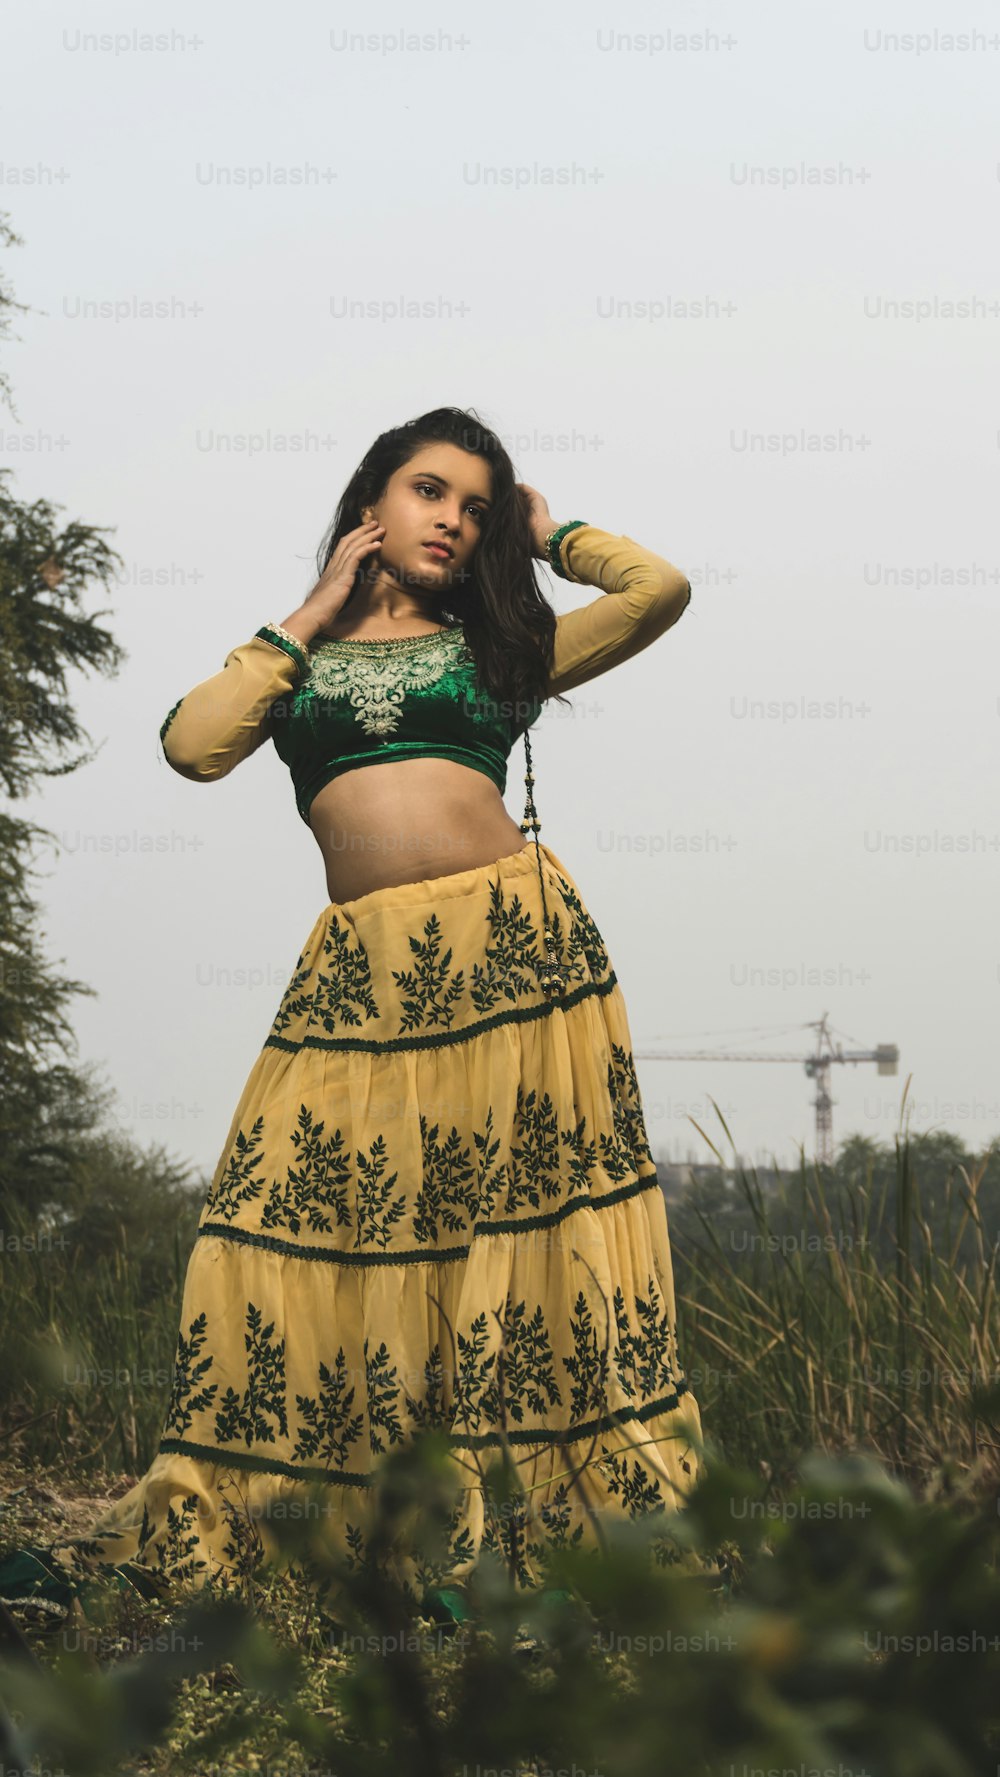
[[294, 650], [437, 1039], [555, 540], [481, 1441], [432, 1255], [169, 717]]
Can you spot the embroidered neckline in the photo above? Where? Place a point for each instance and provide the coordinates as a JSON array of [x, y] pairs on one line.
[[428, 635], [375, 682]]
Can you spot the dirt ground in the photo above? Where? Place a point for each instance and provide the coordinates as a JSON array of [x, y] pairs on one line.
[[39, 1505]]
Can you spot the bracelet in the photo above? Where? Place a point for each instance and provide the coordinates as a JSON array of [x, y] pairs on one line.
[[283, 638], [553, 541]]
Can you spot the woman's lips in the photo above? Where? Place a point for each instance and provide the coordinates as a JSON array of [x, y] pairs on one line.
[[439, 553]]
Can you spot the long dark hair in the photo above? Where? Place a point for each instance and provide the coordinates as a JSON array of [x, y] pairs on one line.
[[509, 624]]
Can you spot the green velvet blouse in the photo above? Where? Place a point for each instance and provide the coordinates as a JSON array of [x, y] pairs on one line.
[[364, 701]]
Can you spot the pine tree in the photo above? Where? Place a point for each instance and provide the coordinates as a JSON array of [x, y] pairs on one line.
[[46, 567]]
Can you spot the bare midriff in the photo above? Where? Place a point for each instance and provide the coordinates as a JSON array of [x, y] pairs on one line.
[[407, 819]]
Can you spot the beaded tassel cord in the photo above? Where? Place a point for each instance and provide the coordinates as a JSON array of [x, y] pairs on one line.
[[552, 973]]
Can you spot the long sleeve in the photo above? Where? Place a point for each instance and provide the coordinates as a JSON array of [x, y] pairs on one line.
[[644, 594], [224, 719]]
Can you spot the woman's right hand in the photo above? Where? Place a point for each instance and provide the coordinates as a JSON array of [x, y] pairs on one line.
[[323, 604]]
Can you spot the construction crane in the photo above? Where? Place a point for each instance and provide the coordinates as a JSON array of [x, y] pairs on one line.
[[817, 1067]]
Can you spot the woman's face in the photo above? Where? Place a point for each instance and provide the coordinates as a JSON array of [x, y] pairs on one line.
[[442, 492]]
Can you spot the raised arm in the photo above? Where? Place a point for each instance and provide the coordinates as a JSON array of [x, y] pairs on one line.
[[224, 719], [644, 594]]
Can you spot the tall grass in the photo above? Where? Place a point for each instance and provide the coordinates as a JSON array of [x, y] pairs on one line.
[[87, 1343], [844, 1320]]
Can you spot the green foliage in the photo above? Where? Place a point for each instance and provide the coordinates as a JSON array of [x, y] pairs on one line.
[[45, 633], [858, 1629]]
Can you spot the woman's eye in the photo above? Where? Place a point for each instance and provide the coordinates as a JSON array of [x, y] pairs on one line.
[[477, 511]]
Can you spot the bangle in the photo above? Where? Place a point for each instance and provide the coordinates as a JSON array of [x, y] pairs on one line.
[[283, 638], [552, 542]]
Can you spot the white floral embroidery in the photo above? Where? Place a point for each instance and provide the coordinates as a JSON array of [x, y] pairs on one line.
[[376, 675]]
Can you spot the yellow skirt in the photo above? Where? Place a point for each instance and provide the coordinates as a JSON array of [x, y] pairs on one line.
[[436, 1206]]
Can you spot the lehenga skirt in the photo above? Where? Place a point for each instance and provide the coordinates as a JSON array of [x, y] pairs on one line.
[[436, 1207]]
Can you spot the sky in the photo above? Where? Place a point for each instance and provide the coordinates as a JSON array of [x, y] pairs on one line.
[[724, 280]]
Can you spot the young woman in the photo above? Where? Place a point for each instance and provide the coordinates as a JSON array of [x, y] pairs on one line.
[[436, 1204]]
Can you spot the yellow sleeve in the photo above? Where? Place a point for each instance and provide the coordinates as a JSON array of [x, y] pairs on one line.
[[644, 594], [224, 719]]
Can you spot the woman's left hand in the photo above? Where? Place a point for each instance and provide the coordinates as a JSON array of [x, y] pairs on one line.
[[540, 519]]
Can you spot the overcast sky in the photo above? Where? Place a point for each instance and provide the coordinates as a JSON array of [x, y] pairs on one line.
[[701, 266]]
